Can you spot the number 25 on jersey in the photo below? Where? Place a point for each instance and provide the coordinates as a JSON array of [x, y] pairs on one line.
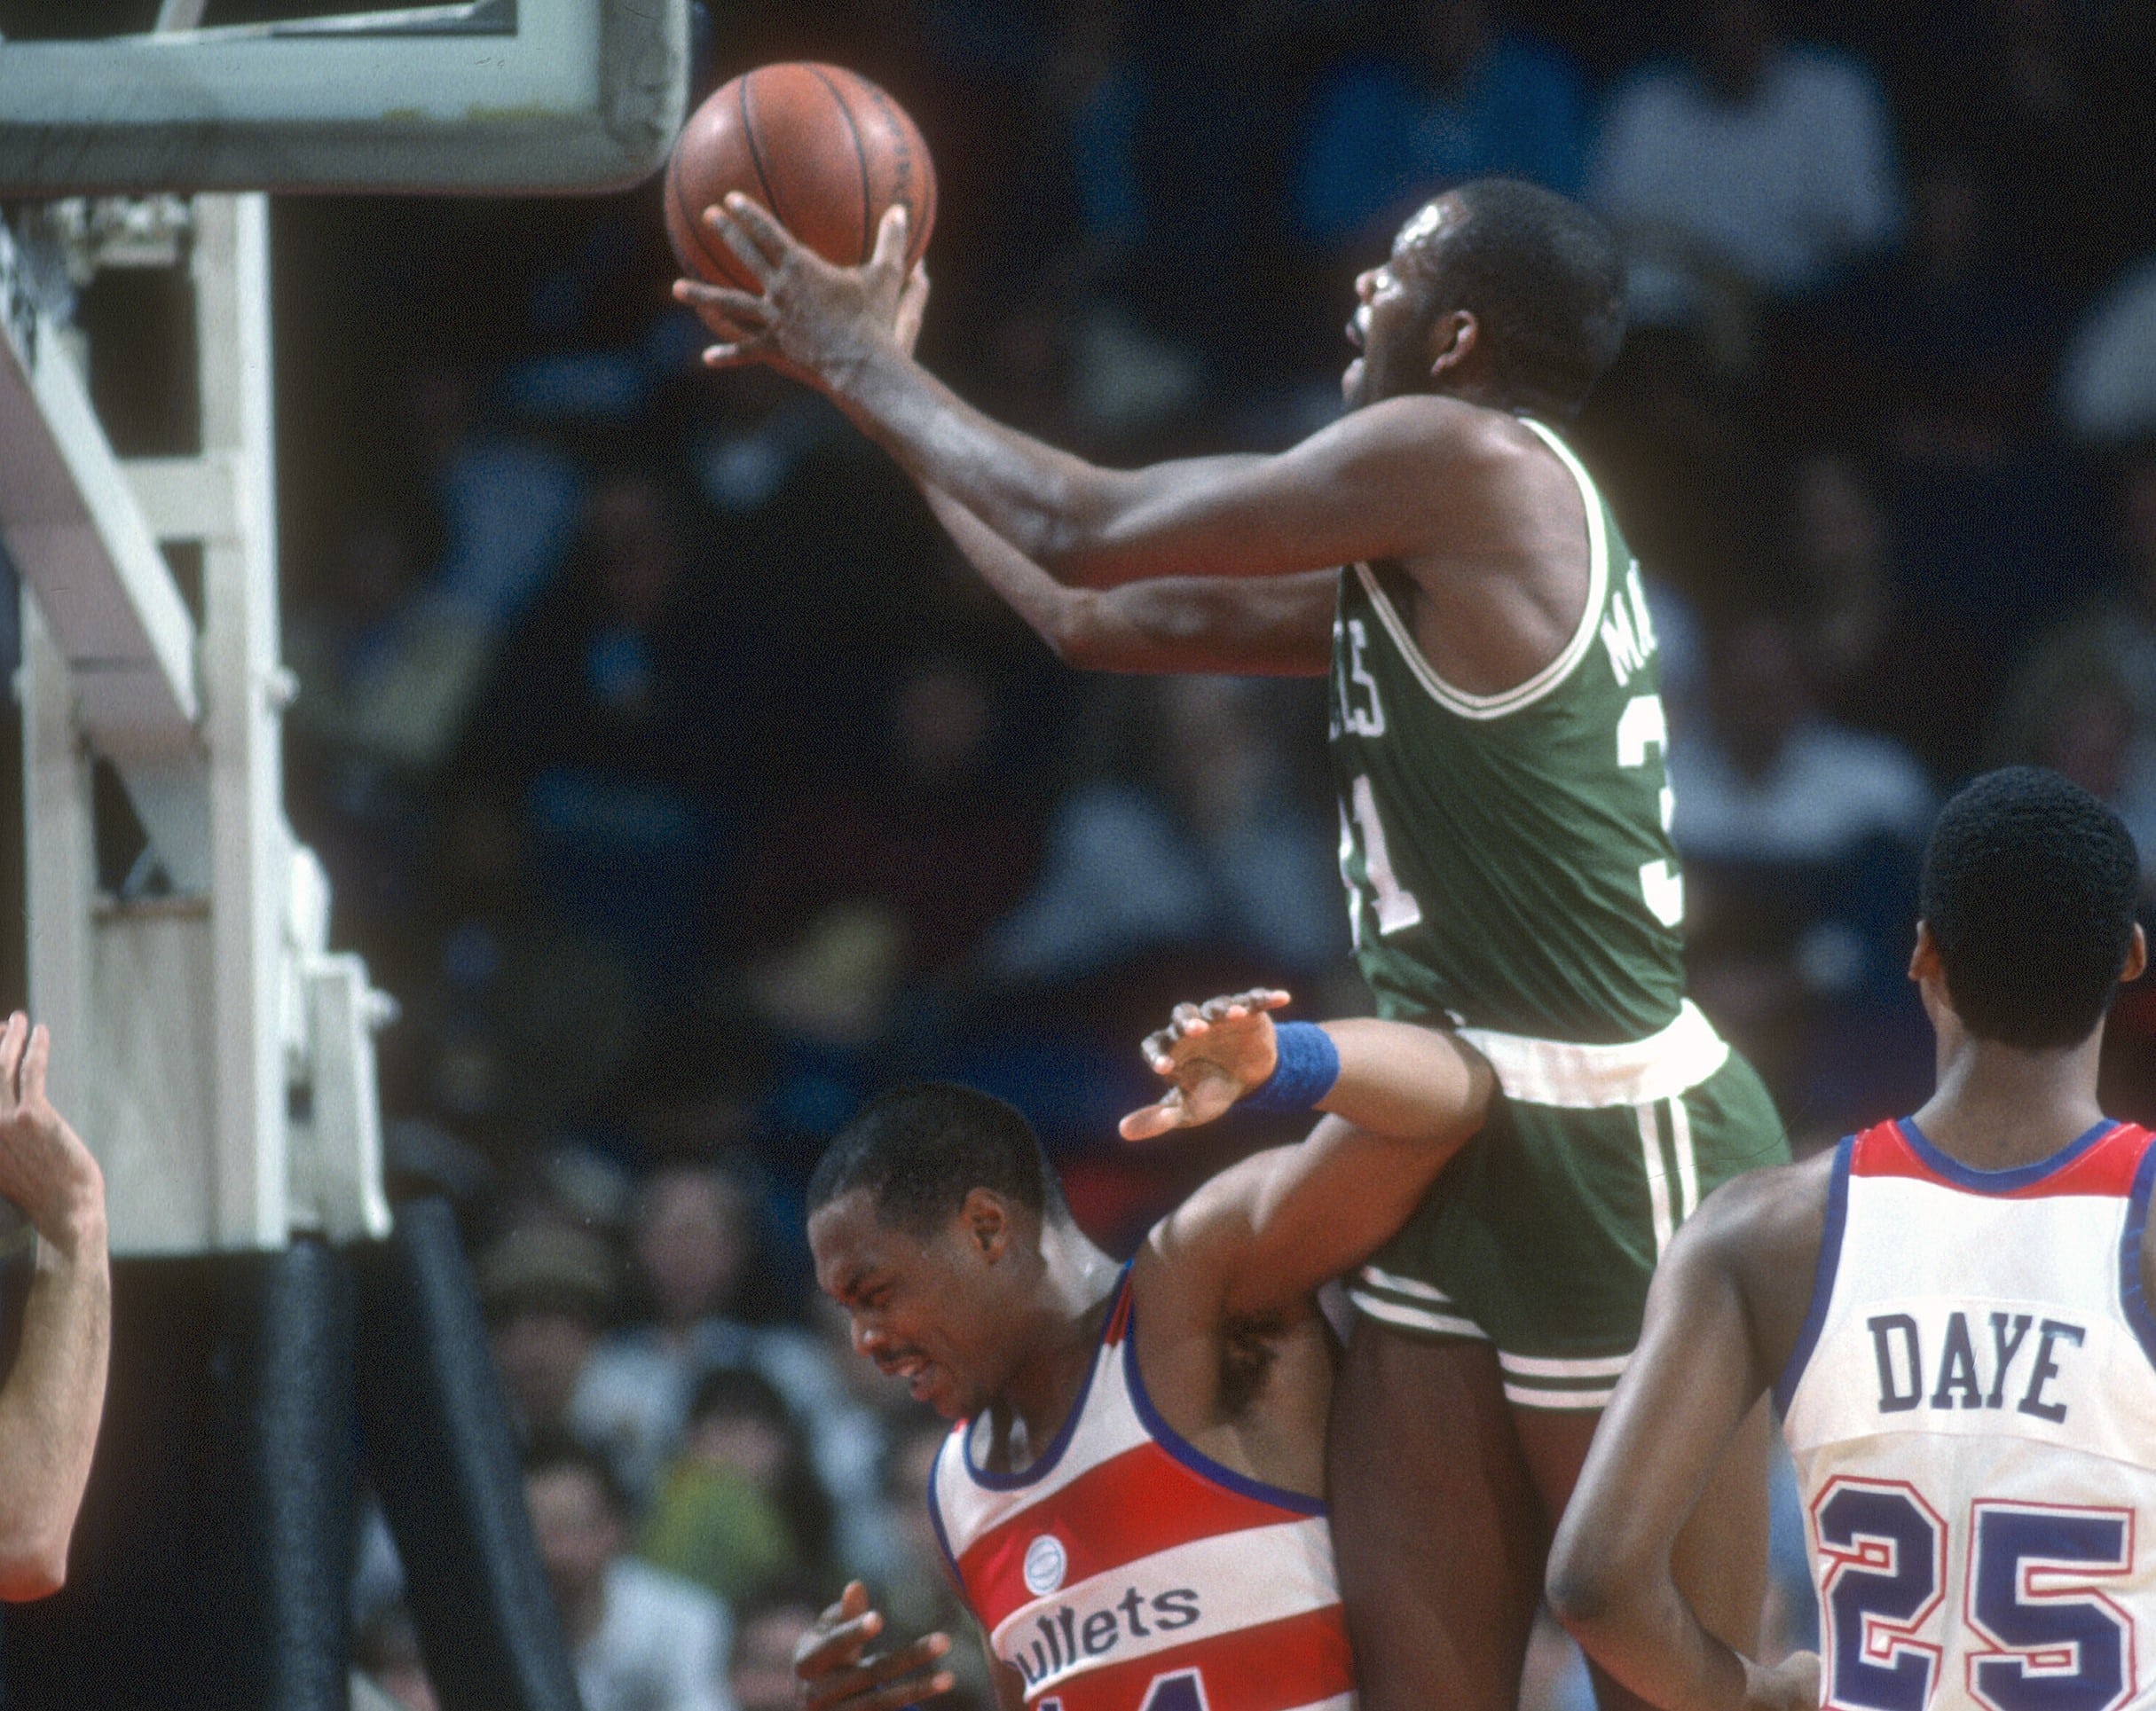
[[2035, 1633]]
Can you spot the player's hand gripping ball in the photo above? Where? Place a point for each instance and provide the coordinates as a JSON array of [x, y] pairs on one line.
[[823, 149]]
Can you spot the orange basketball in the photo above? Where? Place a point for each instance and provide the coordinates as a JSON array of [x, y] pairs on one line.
[[823, 149]]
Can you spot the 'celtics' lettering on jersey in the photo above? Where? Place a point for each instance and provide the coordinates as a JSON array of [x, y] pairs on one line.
[[1507, 857]]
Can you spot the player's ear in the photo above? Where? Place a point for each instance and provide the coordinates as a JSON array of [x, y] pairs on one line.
[[1453, 337], [1924, 960], [987, 1223], [2137, 957]]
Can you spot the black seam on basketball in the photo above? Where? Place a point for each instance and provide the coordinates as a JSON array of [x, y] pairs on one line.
[[756, 156], [696, 226], [861, 158]]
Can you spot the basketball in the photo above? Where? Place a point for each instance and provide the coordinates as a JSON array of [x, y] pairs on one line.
[[823, 149]]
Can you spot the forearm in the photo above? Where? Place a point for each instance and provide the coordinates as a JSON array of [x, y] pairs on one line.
[[1081, 525], [1694, 1378], [1641, 1629], [1283, 1222], [1281, 627], [1407, 1081], [51, 1406], [1042, 501]]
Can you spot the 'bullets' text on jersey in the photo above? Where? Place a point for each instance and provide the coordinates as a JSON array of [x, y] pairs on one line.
[[1126, 1571]]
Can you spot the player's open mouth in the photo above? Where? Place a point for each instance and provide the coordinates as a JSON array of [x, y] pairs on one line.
[[914, 1369]]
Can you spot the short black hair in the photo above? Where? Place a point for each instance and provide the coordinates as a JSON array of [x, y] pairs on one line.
[[739, 1391], [920, 1149], [2030, 885], [1546, 280], [556, 1448]]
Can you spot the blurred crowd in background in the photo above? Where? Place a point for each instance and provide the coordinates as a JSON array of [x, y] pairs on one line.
[[685, 788]]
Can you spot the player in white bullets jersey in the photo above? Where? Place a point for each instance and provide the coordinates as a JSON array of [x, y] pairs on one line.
[[1953, 1311]]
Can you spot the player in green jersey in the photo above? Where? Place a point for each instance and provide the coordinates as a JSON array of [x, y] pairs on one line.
[[1499, 739]]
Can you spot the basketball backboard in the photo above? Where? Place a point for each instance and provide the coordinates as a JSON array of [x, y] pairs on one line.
[[506, 97]]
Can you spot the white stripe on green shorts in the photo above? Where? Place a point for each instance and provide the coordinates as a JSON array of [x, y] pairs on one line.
[[1548, 1381], [1523, 1396], [1409, 1304]]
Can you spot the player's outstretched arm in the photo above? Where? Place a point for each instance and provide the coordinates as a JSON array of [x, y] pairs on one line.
[[54, 1394], [833, 1669], [1697, 1372], [1277, 627], [1378, 484], [1266, 1231], [1281, 626]]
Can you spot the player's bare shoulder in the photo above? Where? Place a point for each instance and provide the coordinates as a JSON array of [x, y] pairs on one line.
[[1763, 1230]]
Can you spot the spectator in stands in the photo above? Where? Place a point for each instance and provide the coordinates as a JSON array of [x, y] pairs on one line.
[[505, 508], [1195, 835], [739, 1508], [1801, 839], [53, 1394], [2107, 384], [937, 800], [549, 1292], [1752, 168], [1844, 576], [694, 1255], [1954, 336], [385, 1648], [766, 1628], [1767, 780], [1452, 94], [611, 708], [1874, 663], [643, 1640], [2084, 701], [2051, 97]]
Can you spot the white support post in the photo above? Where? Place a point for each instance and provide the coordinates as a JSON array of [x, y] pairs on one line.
[[182, 1024], [250, 847]]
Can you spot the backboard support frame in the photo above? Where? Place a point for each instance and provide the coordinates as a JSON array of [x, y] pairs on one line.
[[183, 1022], [574, 96]]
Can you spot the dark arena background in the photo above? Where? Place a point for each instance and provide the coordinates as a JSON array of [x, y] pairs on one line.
[[683, 787]]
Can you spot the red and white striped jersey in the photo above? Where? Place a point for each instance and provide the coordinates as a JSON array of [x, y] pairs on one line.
[[1972, 1408], [1125, 1571]]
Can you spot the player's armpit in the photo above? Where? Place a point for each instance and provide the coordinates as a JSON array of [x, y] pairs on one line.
[[1694, 1378], [1277, 627]]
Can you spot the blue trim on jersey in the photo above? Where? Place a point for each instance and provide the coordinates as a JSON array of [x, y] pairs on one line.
[[1045, 1464], [1188, 1454], [1824, 1273], [935, 1516], [2131, 1296], [1999, 1181]]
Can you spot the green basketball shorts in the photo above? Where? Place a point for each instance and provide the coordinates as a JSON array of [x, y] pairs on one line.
[[1541, 1237]]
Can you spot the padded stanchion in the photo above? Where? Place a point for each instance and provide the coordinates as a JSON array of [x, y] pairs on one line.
[[443, 1459], [211, 1564]]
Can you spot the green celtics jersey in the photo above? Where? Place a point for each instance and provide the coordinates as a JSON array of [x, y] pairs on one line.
[[1507, 857]]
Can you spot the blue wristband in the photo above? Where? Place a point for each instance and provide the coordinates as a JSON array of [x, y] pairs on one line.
[[1308, 1065]]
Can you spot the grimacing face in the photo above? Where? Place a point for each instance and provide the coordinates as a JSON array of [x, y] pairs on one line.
[[1391, 325], [936, 1310]]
